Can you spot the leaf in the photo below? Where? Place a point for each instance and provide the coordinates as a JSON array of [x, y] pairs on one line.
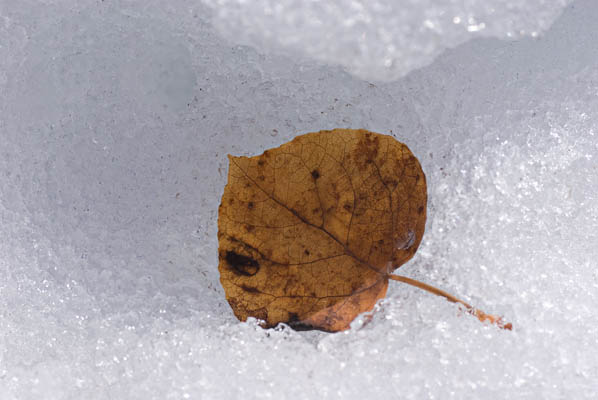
[[309, 231]]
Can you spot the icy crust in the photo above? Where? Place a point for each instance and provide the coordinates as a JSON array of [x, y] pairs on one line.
[[377, 40]]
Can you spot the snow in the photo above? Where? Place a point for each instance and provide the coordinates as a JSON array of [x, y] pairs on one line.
[[377, 39], [115, 121]]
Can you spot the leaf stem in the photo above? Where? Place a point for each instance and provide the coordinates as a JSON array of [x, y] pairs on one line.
[[482, 316]]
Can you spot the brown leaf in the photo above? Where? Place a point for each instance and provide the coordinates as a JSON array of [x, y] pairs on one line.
[[309, 232]]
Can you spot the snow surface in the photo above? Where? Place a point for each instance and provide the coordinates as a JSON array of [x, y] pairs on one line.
[[378, 39], [115, 121]]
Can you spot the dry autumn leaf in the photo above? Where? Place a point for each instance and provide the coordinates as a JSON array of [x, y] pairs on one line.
[[310, 232]]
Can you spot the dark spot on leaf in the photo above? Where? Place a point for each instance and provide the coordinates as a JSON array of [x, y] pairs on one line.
[[249, 289], [241, 264], [366, 151], [420, 209], [315, 174], [260, 162], [298, 325], [250, 205], [306, 252]]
